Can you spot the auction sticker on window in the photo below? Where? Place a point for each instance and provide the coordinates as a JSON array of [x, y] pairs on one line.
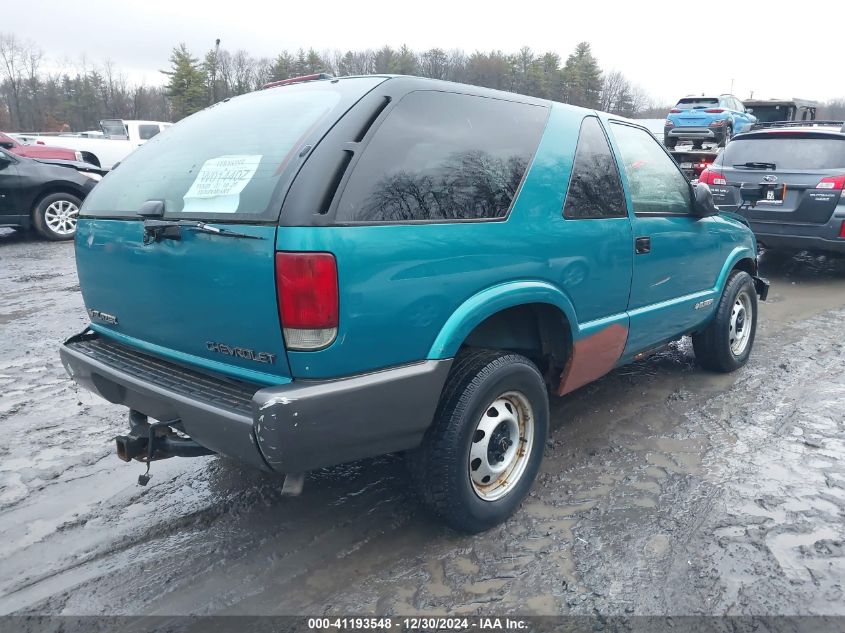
[[218, 185]]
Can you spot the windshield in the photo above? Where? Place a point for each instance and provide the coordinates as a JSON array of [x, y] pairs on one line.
[[804, 153], [228, 160], [696, 102]]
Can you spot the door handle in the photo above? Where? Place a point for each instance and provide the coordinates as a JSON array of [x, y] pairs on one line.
[[642, 245]]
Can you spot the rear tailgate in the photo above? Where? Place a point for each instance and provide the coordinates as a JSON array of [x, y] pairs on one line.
[[198, 297], [800, 202], [806, 171]]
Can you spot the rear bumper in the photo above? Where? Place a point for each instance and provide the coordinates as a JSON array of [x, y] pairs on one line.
[[800, 242], [811, 237], [695, 132], [288, 428]]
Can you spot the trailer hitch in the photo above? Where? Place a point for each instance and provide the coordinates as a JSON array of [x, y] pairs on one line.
[[151, 441]]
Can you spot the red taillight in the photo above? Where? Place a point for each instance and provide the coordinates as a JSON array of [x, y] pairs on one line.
[[832, 182], [842, 230], [709, 177], [714, 110], [306, 289], [675, 110]]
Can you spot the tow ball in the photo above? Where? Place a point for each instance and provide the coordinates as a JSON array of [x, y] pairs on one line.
[[150, 441]]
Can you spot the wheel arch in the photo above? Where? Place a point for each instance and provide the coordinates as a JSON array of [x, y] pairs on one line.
[[741, 258], [532, 317], [91, 157]]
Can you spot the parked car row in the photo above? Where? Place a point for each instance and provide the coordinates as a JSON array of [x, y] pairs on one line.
[[118, 139]]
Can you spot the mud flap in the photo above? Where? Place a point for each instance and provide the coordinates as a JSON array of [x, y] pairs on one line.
[[761, 285]]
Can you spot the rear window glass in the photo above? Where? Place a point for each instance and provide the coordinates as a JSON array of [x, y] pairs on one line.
[[692, 103], [786, 153], [227, 161], [146, 132], [443, 156]]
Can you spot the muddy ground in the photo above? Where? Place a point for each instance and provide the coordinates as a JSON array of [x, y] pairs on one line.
[[665, 490]]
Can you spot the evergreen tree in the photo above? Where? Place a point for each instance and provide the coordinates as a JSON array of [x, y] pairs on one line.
[[582, 78], [187, 87], [282, 67]]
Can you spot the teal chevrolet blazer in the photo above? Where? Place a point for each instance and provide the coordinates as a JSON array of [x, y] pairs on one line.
[[332, 269]]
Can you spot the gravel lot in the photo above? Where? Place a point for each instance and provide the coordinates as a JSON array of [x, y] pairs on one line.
[[665, 490]]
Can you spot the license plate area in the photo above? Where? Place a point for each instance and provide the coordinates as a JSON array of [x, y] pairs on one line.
[[773, 194]]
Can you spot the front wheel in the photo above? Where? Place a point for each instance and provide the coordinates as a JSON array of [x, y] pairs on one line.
[[482, 452], [55, 216], [725, 344]]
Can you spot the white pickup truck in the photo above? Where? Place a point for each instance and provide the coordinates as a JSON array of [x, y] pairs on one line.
[[120, 137]]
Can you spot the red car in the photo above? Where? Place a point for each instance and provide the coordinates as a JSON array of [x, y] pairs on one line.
[[38, 151]]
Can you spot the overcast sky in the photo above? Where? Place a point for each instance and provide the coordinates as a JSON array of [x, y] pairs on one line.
[[772, 50]]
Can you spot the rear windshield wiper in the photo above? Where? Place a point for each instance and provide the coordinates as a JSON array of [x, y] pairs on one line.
[[157, 230], [202, 227], [757, 165]]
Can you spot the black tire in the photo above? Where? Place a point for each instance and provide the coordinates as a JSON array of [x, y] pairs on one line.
[[440, 468], [726, 136], [45, 226], [713, 345], [670, 141]]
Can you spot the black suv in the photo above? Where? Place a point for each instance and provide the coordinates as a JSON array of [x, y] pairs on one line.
[[799, 168]]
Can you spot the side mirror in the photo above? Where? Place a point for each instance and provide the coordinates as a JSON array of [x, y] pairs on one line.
[[703, 205]]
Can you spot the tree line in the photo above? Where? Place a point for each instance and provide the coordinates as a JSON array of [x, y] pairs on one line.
[[195, 82], [35, 98]]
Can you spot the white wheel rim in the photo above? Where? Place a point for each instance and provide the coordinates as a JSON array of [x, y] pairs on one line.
[[501, 446], [742, 317], [61, 217]]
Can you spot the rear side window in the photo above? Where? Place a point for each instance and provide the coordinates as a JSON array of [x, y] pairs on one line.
[[786, 152], [656, 184], [442, 156], [595, 190], [146, 132], [227, 161]]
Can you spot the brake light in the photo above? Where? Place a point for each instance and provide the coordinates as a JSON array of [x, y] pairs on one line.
[[709, 177], [714, 110], [674, 110], [842, 230], [832, 182], [307, 293]]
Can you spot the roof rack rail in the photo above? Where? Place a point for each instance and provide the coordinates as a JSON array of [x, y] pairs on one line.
[[813, 123], [297, 80]]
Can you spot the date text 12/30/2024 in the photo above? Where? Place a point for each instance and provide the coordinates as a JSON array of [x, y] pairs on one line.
[[418, 624]]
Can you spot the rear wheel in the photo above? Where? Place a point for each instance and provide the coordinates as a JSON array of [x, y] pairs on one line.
[[55, 216], [670, 141], [481, 454], [726, 343]]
